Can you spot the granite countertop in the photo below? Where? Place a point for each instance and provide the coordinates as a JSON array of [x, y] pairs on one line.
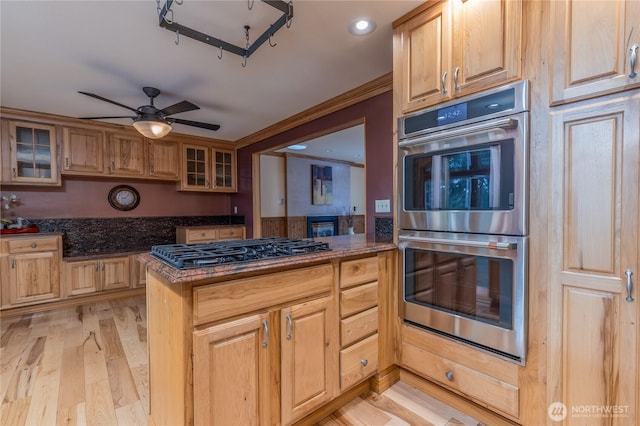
[[341, 246]]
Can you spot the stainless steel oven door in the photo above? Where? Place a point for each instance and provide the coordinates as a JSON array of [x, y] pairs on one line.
[[469, 287], [472, 179]]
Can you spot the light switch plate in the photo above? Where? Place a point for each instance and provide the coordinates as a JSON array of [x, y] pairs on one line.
[[383, 206]]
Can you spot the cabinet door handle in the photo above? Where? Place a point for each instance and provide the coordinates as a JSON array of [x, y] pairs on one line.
[[455, 79], [97, 266], [266, 333], [290, 322], [151, 169], [443, 81], [449, 375], [66, 162], [13, 263], [364, 362], [632, 60], [113, 166], [14, 172], [629, 273]]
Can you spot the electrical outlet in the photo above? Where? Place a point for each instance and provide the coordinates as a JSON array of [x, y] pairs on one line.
[[383, 206]]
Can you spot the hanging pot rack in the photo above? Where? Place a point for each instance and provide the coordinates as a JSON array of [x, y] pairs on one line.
[[166, 20]]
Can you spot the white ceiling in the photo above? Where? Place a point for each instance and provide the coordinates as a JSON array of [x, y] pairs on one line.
[[51, 49]]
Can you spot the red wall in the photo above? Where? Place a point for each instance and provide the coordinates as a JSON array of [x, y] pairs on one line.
[[378, 118], [82, 198]]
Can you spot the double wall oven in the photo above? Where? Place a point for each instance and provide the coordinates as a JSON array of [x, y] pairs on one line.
[[463, 219]]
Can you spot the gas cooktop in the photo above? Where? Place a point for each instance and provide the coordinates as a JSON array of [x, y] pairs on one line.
[[187, 256]]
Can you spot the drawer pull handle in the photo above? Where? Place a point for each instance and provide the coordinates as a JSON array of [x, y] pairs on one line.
[[266, 333], [364, 362], [34, 245], [290, 322], [449, 375]]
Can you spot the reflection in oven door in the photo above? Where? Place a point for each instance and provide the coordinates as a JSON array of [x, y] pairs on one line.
[[470, 287]]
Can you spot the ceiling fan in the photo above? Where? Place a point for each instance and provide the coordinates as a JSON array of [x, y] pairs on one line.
[[152, 122]]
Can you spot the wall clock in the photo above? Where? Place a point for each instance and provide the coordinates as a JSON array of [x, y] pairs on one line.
[[124, 197]]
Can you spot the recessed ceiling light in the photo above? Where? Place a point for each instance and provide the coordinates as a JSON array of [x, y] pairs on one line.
[[362, 26], [297, 147]]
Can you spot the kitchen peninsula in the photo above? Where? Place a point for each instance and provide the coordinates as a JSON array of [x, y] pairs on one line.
[[269, 341]]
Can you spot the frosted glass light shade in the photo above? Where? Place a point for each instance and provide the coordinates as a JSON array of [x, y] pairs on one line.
[[152, 129]]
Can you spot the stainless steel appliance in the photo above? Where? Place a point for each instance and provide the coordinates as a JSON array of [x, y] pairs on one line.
[[469, 286], [187, 256], [463, 165], [463, 218]]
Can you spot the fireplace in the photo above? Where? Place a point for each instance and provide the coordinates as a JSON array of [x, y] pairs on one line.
[[322, 226]]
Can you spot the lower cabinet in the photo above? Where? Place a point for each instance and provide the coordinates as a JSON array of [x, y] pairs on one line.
[[263, 349], [30, 270], [239, 360], [91, 276]]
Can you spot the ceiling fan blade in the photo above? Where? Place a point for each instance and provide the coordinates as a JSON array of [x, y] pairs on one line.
[[97, 118], [107, 100], [183, 106], [196, 124]]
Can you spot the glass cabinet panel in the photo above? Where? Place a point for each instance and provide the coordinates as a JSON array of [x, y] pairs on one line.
[[33, 153], [195, 167], [224, 169]]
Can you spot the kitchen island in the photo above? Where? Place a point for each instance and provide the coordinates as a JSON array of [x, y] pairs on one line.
[[269, 341]]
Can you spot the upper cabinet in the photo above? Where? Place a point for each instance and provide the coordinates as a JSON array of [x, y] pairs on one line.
[[455, 48], [32, 153], [595, 48], [126, 155], [83, 151], [208, 168], [91, 152]]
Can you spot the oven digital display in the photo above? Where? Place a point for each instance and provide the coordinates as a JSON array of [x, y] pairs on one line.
[[452, 114]]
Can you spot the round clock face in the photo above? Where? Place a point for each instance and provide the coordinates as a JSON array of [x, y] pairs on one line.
[[124, 197]]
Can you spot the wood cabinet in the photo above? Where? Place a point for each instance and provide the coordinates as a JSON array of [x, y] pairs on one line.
[[593, 250], [32, 153], [358, 320], [30, 270], [88, 152], [163, 159], [208, 168], [592, 48], [138, 272], [91, 276], [126, 155], [204, 234], [268, 348], [307, 364], [82, 151], [455, 48], [238, 358]]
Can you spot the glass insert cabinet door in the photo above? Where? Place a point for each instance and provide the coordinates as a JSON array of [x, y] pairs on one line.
[[196, 167], [224, 169], [33, 153]]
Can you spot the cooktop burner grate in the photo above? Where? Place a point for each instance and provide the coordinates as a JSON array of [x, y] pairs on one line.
[[187, 256]]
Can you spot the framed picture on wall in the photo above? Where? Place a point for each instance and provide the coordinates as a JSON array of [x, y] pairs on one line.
[[321, 184]]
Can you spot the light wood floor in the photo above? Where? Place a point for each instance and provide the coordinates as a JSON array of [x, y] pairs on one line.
[[88, 366]]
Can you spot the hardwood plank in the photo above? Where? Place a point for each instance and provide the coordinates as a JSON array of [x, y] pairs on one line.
[[23, 378], [14, 413], [72, 371], [131, 415], [99, 404], [396, 410], [123, 388]]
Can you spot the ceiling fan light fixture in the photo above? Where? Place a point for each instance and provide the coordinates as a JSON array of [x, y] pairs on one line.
[[152, 129]]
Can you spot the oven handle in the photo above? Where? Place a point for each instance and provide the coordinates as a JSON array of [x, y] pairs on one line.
[[495, 245], [505, 124]]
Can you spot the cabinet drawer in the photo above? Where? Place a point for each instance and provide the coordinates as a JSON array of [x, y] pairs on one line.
[[219, 301], [358, 299], [359, 271], [195, 235], [358, 361], [230, 233], [358, 326], [467, 381], [33, 245]]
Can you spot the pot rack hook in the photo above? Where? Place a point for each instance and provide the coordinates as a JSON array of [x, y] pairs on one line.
[[289, 13], [272, 44], [244, 61], [249, 4], [177, 37], [220, 55], [178, 2]]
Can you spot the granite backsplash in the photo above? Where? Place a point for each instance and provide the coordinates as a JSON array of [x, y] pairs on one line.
[[97, 236], [384, 229]]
